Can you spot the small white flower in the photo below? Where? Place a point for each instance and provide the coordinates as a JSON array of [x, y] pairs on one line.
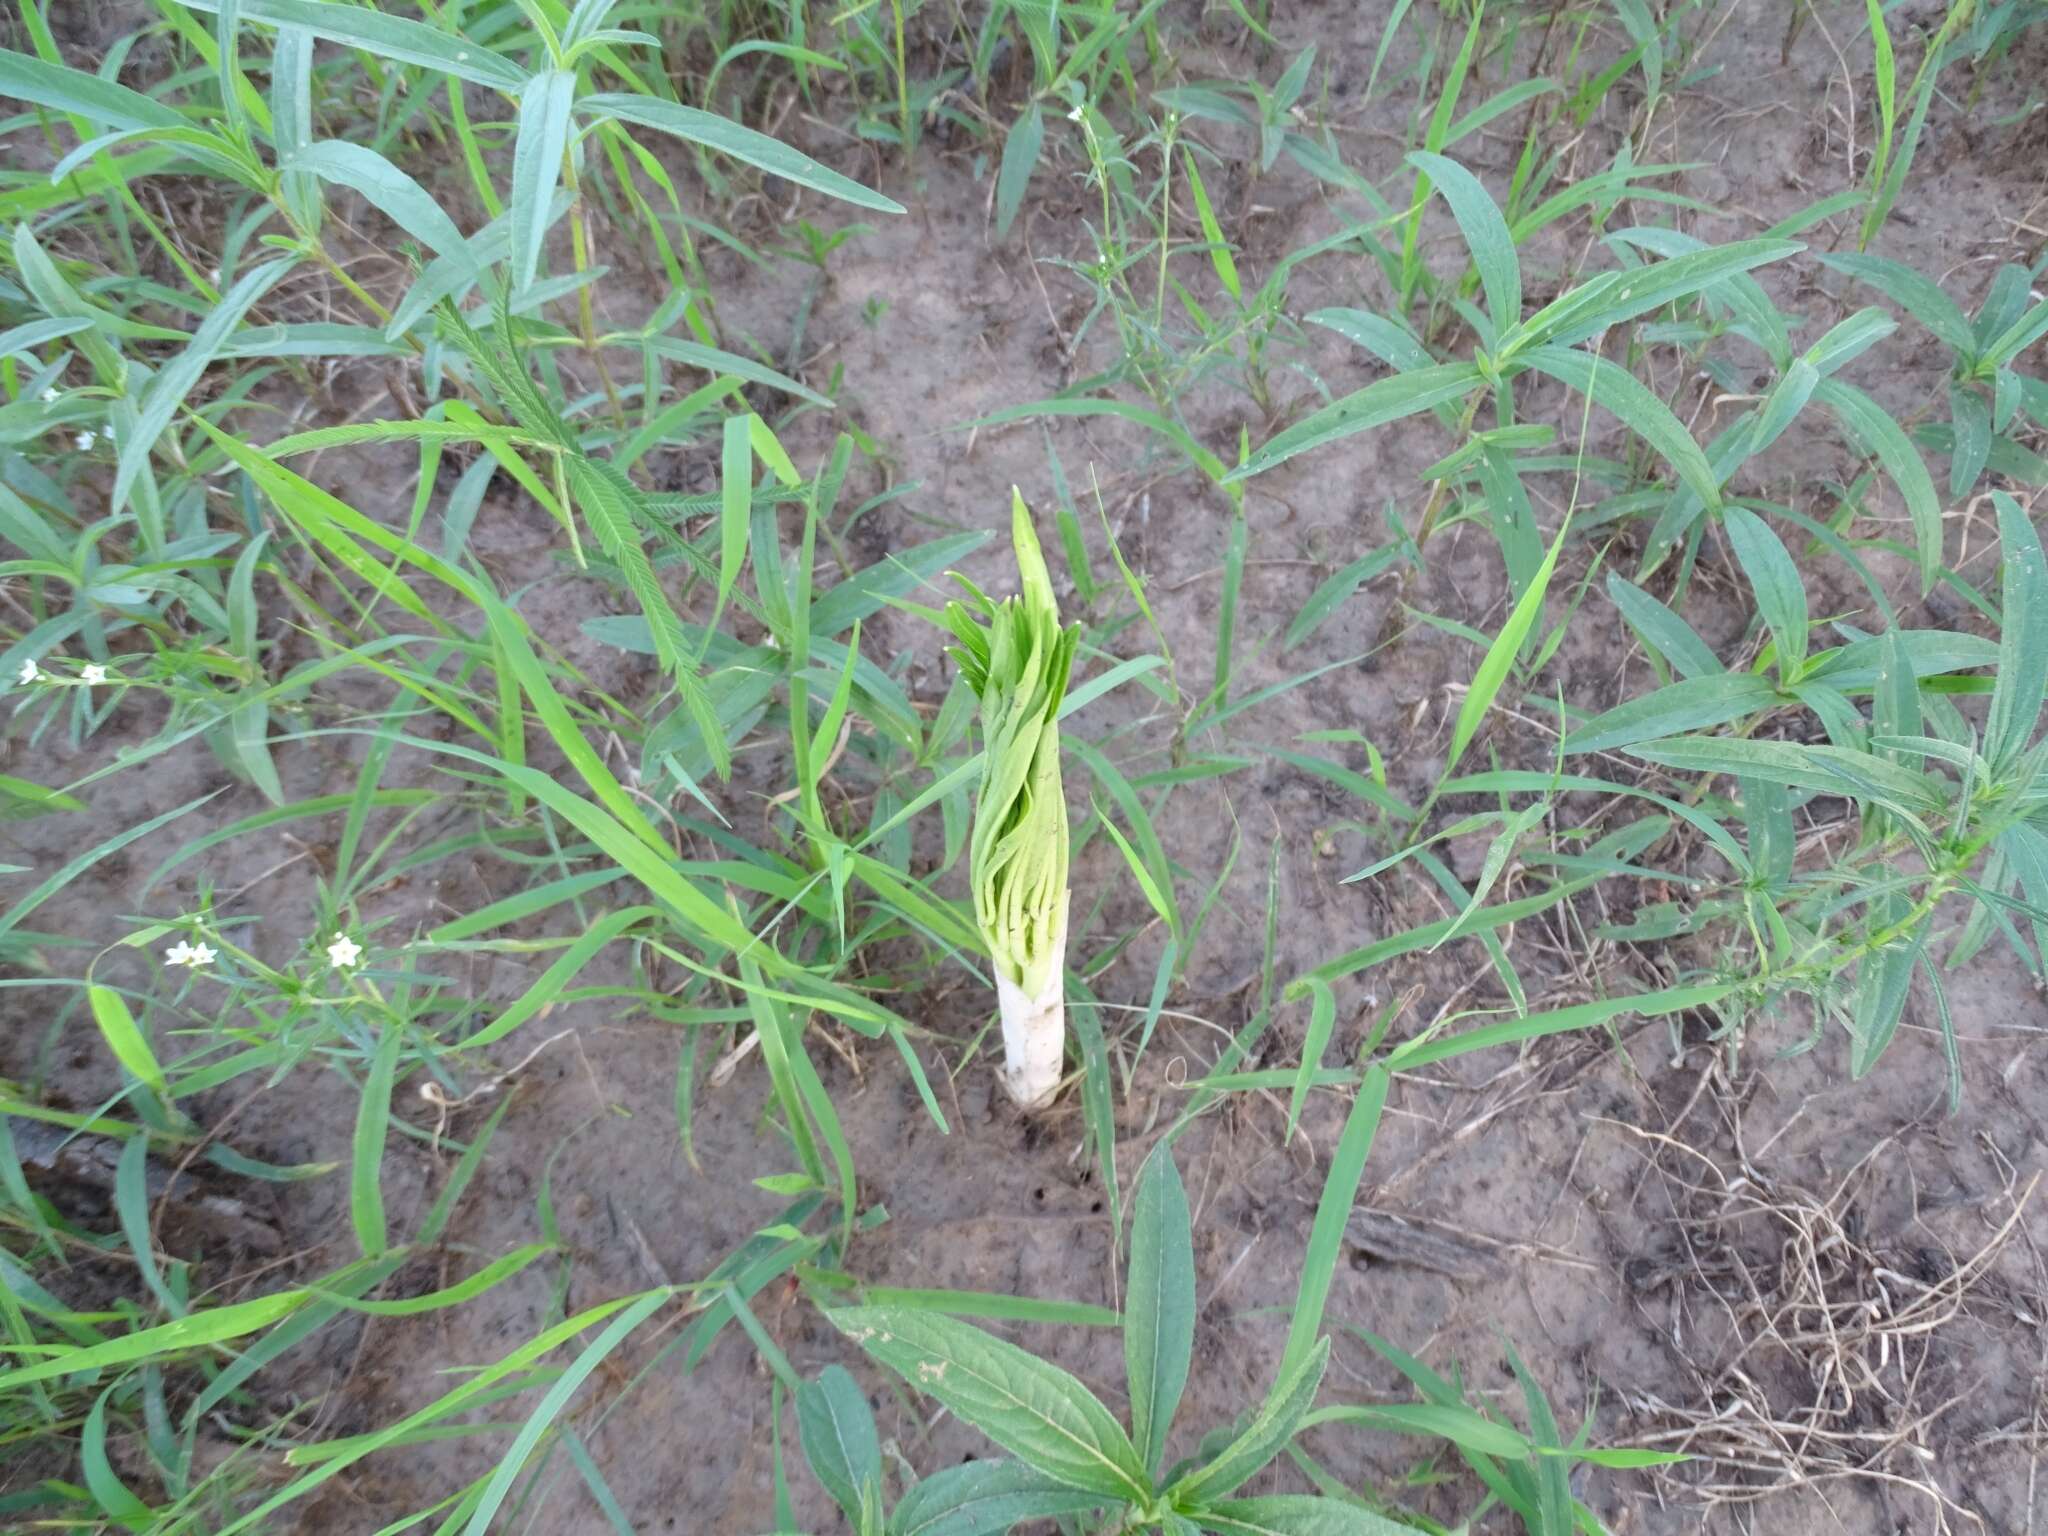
[[343, 952], [93, 673], [49, 396], [108, 433], [27, 674], [194, 955], [84, 441]]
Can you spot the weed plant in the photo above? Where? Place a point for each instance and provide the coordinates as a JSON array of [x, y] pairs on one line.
[[241, 201]]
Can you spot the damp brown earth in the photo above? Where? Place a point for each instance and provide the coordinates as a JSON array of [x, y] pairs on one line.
[[1827, 1290]]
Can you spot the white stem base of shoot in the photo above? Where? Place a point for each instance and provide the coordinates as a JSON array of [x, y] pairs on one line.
[[1034, 1039]]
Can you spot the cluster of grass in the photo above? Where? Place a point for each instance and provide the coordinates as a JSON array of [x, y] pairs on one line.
[[175, 563]]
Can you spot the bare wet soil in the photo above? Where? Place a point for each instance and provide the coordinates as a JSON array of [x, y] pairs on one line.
[[1662, 1227]]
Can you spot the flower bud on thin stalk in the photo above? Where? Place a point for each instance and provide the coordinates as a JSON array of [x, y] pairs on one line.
[[1017, 658]]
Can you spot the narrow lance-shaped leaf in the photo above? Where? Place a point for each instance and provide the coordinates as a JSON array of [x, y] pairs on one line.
[[1159, 1314], [436, 48], [165, 392], [1375, 405], [2023, 640], [727, 137], [1870, 425], [1031, 1408], [839, 1441], [537, 165], [1500, 656], [1780, 595], [1485, 231]]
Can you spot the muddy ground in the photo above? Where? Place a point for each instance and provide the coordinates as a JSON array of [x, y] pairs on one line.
[[1630, 1206]]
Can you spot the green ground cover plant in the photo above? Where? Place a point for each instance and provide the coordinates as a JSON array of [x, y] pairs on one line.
[[788, 843]]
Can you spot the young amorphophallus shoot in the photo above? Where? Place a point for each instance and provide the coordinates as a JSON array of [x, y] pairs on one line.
[[1016, 658]]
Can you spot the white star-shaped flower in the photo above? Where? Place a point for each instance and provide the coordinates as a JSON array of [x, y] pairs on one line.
[[84, 441], [49, 395], [343, 952], [28, 673], [92, 673], [194, 955]]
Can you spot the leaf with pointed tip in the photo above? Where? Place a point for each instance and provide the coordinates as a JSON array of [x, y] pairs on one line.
[[1485, 231], [1289, 1401], [837, 1431], [1159, 1312], [1029, 1407], [980, 1498], [537, 165], [743, 144], [1375, 405], [1297, 1514]]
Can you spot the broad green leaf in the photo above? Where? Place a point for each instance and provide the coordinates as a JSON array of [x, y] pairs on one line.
[[126, 1040], [1774, 579], [1159, 1306], [1289, 1401], [1870, 425], [1615, 390], [981, 1498], [373, 1123], [1970, 419], [1660, 283], [1662, 630], [1388, 340], [1849, 339], [1918, 295], [1032, 1409], [2016, 338], [436, 48], [384, 186], [1767, 816], [1831, 770], [1380, 402], [169, 387], [2023, 638], [1297, 1514], [1220, 259], [1020, 157], [1882, 983], [840, 1445], [1485, 231], [102, 102], [1783, 404], [743, 144], [537, 165]]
